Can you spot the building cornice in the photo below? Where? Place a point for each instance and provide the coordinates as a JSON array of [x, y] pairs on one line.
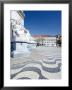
[[21, 14]]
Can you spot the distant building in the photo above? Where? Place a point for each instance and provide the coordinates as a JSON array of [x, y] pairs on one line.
[[45, 40]]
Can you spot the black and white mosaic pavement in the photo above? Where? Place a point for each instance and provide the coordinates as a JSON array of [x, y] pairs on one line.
[[45, 67]]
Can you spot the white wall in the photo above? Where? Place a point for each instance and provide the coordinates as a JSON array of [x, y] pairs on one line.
[[50, 41]]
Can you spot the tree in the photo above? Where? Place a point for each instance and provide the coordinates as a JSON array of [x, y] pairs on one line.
[[58, 40]]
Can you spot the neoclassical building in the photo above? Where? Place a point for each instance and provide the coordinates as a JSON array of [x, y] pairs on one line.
[[21, 39], [45, 40], [50, 41]]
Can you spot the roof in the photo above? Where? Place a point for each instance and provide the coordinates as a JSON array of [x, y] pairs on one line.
[[42, 36]]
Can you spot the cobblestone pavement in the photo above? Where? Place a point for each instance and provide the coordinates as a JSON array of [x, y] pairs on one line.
[[41, 63]]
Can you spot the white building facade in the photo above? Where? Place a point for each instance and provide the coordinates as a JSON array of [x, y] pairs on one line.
[[49, 41], [45, 40]]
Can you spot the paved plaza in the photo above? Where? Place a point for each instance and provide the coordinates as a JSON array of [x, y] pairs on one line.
[[40, 63]]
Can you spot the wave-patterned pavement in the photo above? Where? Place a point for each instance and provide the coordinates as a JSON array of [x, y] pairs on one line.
[[48, 67]]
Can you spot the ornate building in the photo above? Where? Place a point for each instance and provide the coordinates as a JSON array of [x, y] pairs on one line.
[[21, 38]]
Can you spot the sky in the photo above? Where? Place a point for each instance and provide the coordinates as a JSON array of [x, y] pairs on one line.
[[43, 22]]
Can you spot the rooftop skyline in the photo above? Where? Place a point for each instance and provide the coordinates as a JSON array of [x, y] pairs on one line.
[[43, 22]]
